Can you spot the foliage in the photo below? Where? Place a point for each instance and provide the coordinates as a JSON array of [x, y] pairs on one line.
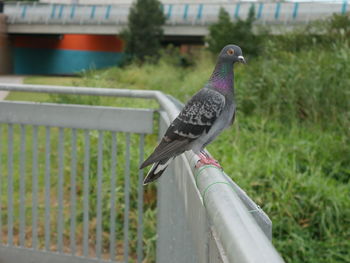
[[240, 33], [144, 31], [220, 33], [339, 25], [311, 85]]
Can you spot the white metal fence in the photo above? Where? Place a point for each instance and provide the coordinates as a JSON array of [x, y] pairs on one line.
[[202, 215]]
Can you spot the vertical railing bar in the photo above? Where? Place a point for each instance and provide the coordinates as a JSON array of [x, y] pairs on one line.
[[108, 11], [127, 198], [86, 194], [1, 178], [22, 186], [140, 204], [295, 10], [113, 193], [73, 192], [72, 12], [99, 195], [238, 5], [35, 189], [47, 187], [261, 6], [344, 7], [60, 189], [10, 185], [53, 11]]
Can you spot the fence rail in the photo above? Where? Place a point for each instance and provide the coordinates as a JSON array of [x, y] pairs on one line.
[[203, 216]]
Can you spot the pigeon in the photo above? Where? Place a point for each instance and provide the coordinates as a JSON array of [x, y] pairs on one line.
[[206, 114]]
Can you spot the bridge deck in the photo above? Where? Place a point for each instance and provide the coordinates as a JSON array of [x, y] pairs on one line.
[[182, 19]]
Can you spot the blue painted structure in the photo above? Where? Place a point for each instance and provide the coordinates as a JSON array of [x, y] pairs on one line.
[[277, 10], [237, 10], [344, 7], [59, 61], [261, 6]]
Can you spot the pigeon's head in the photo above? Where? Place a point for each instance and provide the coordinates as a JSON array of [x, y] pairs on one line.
[[232, 53]]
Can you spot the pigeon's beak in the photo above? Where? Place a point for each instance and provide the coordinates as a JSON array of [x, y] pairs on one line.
[[241, 59]]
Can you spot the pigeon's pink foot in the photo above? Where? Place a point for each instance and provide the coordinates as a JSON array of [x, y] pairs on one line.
[[207, 160]]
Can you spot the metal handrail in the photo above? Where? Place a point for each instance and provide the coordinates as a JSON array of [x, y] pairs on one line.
[[233, 227]]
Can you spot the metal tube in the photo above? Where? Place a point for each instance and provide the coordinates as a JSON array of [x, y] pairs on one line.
[[22, 186], [60, 12], [162, 99], [1, 183], [112, 248], [99, 195], [140, 204], [108, 11], [60, 190], [35, 189], [242, 239], [86, 194], [127, 198], [47, 187], [10, 186], [73, 192], [147, 94]]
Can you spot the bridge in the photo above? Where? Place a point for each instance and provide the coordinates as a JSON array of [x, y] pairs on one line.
[[65, 39], [182, 19]]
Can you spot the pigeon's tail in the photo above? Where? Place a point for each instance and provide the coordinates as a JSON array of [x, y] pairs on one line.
[[156, 171]]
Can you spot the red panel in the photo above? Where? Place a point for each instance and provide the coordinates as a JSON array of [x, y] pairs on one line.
[[72, 42]]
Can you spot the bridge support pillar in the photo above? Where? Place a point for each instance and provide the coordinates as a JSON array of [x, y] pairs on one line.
[[5, 48]]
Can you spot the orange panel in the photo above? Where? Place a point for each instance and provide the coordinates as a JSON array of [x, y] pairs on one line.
[[91, 42]]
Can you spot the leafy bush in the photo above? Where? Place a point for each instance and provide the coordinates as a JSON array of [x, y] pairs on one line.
[[240, 33], [339, 26], [309, 85]]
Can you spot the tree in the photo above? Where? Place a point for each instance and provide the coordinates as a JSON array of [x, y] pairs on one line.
[[144, 31], [220, 33], [225, 32]]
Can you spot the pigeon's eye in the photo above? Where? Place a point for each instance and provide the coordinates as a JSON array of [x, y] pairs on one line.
[[230, 52]]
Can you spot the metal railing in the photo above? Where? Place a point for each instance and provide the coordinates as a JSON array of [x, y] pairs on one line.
[[177, 14], [202, 215]]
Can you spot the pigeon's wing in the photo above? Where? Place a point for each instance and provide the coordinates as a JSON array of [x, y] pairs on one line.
[[196, 119]]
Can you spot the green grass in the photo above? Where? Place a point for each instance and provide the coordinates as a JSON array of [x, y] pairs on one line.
[[289, 147]]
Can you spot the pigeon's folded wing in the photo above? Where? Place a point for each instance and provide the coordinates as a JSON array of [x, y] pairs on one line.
[[196, 119]]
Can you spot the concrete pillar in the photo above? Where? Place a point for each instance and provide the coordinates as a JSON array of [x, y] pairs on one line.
[[5, 48]]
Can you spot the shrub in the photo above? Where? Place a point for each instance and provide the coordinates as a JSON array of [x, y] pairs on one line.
[[226, 32], [311, 85]]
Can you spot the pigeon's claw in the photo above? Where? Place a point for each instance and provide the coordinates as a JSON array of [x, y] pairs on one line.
[[205, 159]]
